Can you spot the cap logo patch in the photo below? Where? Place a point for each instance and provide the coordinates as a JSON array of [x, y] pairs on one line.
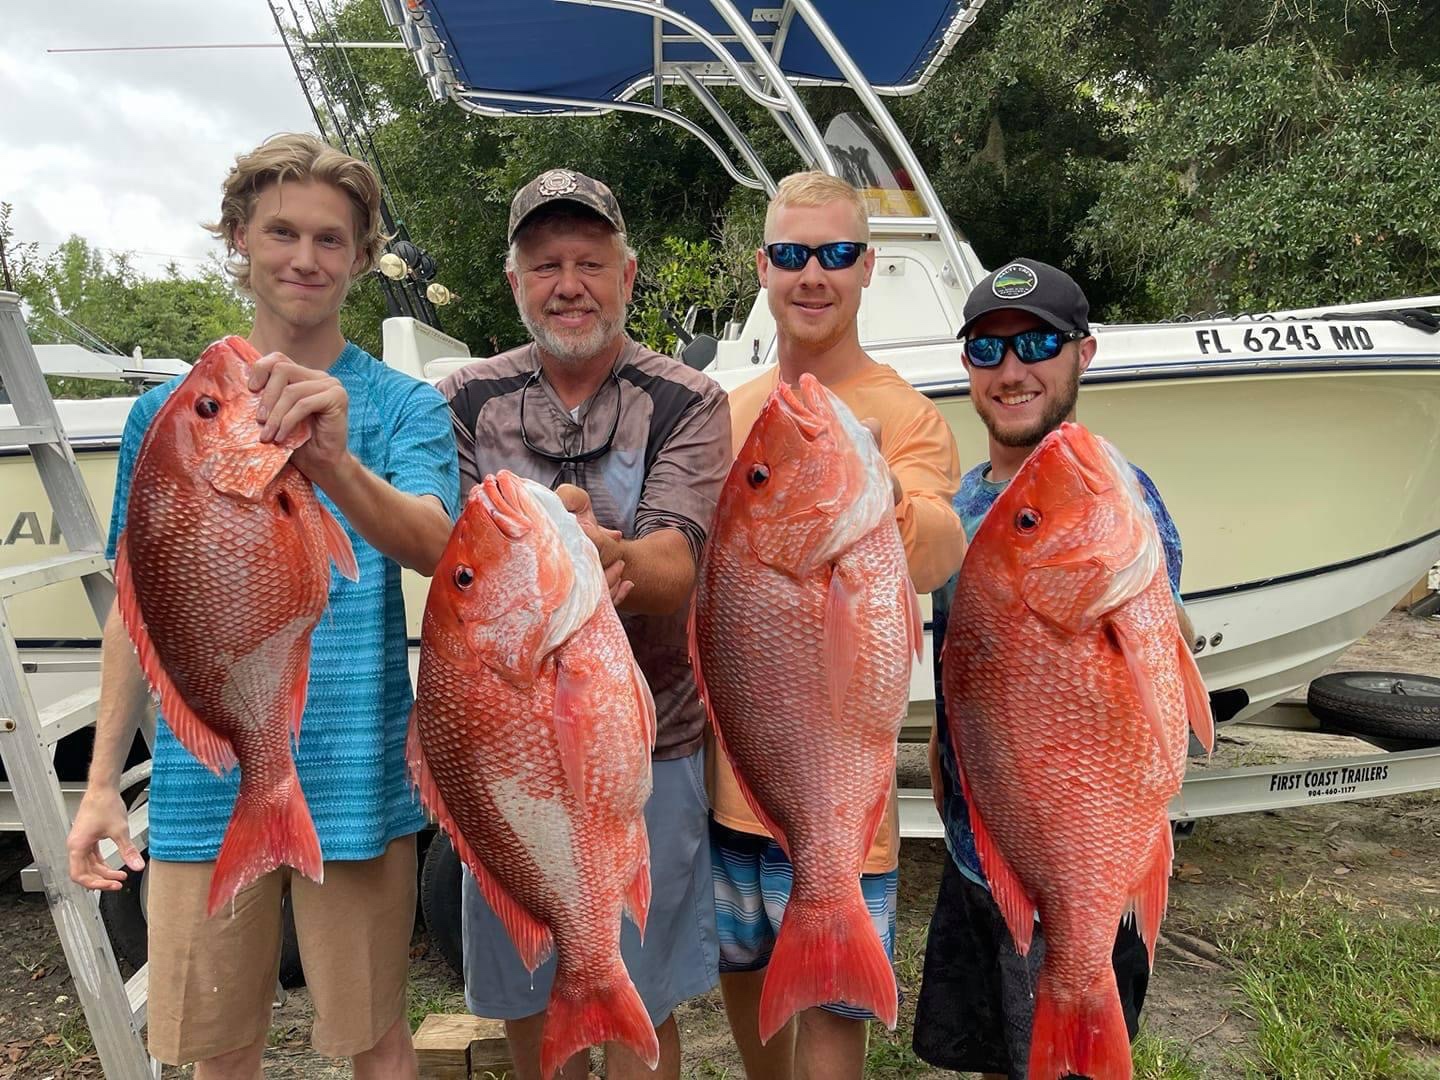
[[1013, 282], [558, 182]]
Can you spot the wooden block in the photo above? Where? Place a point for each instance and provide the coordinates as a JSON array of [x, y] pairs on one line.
[[1415, 595], [457, 1046]]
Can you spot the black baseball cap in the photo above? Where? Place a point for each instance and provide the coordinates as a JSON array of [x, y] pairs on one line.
[[1045, 291], [564, 185]]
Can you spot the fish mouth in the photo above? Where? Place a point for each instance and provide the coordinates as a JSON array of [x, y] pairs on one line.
[[1086, 455], [503, 498], [805, 404]]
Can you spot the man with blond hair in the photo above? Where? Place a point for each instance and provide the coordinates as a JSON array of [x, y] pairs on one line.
[[301, 221], [814, 266]]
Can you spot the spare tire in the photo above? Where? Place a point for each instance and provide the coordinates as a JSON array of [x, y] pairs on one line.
[[123, 912], [440, 901], [1393, 710]]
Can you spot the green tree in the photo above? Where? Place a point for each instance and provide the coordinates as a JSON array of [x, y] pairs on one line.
[[78, 295], [1176, 154], [1295, 167]]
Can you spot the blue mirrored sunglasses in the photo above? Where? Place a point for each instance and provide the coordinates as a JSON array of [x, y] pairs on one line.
[[841, 255], [1031, 346]]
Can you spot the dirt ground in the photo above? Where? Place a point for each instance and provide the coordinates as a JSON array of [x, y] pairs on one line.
[[1368, 857]]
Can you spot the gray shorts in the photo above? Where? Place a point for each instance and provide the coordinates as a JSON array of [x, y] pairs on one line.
[[681, 956]]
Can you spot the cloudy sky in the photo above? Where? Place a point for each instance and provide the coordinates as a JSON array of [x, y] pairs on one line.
[[128, 149]]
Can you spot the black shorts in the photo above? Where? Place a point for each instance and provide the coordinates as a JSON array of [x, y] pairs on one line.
[[977, 995]]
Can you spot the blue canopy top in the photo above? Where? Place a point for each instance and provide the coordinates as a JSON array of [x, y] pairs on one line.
[[597, 55]]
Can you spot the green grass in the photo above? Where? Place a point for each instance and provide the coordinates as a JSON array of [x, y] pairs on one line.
[[1158, 1057], [888, 1054], [70, 1042], [1337, 996], [426, 1000]]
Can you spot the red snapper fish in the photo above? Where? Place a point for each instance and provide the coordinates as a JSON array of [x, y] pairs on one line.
[[802, 632], [1069, 689], [530, 744], [222, 572]]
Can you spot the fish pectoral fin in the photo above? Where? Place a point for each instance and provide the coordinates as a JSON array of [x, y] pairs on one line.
[[1010, 895], [573, 706], [531, 937], [1127, 642], [1197, 698], [210, 748], [842, 636], [1153, 889], [337, 543]]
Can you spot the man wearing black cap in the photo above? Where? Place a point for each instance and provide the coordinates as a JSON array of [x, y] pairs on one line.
[[1027, 342], [637, 445]]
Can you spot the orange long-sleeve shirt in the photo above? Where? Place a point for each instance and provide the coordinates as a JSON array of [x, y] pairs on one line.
[[920, 450]]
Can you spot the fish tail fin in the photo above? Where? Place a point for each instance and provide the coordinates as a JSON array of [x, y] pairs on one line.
[[825, 954], [1085, 1036], [613, 1013], [267, 830]]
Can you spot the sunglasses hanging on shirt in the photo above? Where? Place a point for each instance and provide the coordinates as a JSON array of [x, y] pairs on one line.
[[569, 459]]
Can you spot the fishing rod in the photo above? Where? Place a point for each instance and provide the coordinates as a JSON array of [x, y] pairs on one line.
[[405, 272]]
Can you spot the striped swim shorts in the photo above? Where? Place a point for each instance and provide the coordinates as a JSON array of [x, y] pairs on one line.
[[752, 887]]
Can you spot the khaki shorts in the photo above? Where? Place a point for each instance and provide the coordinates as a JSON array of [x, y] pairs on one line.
[[212, 981]]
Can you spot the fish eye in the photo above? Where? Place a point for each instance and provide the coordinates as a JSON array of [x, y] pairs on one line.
[[464, 577], [1027, 520], [207, 407], [757, 475]]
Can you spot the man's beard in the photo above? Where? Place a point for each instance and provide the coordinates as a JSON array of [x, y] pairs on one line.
[[1060, 408], [574, 348]]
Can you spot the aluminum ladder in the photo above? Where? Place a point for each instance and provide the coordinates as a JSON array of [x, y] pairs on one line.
[[114, 1008]]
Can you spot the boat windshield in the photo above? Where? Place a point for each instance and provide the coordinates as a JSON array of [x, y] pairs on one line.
[[867, 162]]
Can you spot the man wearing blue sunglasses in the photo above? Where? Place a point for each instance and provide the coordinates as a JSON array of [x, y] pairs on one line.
[[1027, 342], [815, 265]]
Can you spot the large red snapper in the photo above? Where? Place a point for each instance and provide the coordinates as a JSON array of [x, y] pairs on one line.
[[530, 744], [802, 632], [222, 572], [1069, 689]]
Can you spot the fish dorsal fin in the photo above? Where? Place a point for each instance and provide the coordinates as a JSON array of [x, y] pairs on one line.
[[531, 937], [209, 747]]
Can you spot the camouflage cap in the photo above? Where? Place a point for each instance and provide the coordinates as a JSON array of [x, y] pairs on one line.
[[555, 185]]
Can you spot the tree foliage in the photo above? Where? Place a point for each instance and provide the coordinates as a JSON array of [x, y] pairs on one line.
[[1178, 155], [80, 296]]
